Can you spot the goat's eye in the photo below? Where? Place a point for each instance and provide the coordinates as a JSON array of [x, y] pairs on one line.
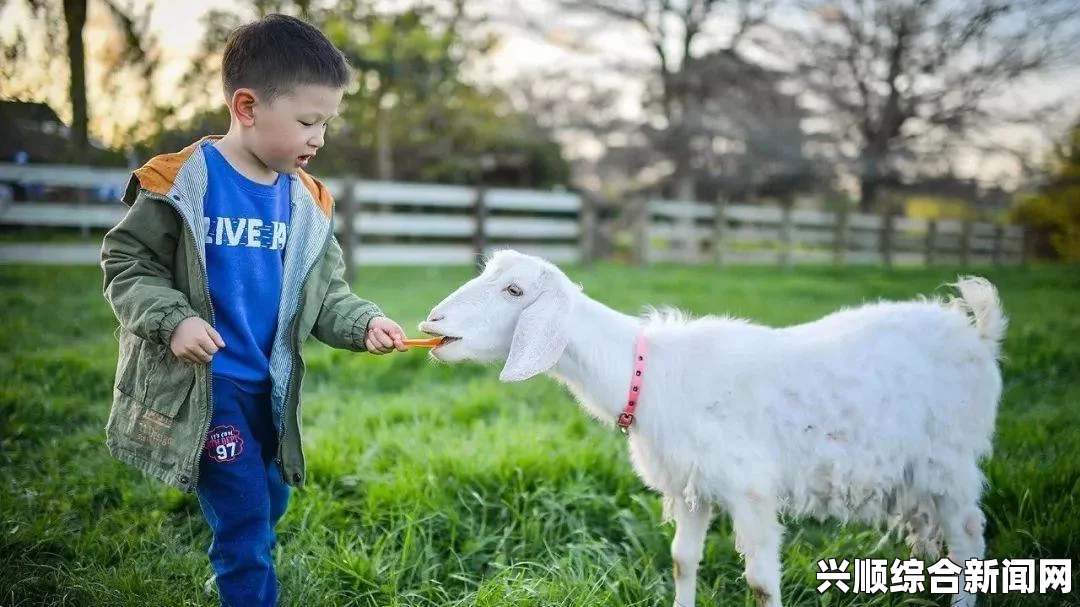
[[513, 290]]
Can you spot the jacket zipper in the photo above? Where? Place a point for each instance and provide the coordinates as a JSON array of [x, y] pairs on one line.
[[209, 386], [295, 331]]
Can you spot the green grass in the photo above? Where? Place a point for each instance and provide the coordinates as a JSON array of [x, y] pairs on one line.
[[436, 485]]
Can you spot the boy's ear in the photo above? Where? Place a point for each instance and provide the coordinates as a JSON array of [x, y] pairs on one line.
[[242, 105]]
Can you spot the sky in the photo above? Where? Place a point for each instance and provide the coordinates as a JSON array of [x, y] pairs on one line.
[[176, 22], [177, 26]]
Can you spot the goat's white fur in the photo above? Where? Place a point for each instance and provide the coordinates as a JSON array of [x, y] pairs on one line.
[[879, 413]]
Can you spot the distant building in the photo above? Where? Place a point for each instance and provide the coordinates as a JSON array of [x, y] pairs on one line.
[[32, 131], [948, 197]]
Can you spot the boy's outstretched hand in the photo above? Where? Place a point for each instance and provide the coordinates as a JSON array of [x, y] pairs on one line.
[[195, 341], [384, 335]]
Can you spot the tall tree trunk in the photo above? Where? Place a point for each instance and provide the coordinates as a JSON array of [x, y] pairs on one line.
[[685, 185], [869, 180], [384, 148], [75, 18], [868, 187], [679, 148]]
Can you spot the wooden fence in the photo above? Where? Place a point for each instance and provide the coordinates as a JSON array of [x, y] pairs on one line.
[[401, 223], [694, 232], [391, 223]]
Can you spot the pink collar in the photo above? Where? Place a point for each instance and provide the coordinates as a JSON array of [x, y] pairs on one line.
[[627, 416]]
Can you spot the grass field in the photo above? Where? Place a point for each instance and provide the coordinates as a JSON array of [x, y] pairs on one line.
[[436, 485]]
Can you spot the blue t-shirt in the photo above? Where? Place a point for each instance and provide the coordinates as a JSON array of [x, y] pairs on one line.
[[246, 225]]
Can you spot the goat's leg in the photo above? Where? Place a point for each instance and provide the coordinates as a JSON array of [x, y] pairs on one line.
[[687, 547], [757, 537], [963, 527]]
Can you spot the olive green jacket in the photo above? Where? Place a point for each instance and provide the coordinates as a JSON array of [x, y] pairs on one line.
[[155, 277]]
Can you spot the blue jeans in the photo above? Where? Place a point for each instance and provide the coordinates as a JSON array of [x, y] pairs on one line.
[[242, 495]]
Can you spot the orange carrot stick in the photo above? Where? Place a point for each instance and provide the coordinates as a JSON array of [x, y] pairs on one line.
[[429, 342]]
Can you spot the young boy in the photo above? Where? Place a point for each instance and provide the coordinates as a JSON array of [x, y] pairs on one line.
[[224, 264]]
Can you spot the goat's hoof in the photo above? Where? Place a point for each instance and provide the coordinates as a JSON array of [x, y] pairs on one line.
[[761, 597]]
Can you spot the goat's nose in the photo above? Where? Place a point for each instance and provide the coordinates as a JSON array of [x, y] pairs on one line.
[[435, 317]]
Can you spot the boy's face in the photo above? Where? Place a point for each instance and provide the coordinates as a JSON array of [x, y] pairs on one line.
[[287, 132]]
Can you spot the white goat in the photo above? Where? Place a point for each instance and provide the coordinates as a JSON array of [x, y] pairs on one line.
[[878, 414]]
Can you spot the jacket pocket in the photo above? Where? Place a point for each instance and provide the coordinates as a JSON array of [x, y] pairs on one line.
[[132, 364], [168, 383]]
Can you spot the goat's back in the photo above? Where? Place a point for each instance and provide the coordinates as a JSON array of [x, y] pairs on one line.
[[832, 413]]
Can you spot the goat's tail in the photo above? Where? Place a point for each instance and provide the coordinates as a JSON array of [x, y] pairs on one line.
[[980, 298]]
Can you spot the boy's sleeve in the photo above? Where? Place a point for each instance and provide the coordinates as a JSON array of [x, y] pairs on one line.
[[344, 316], [136, 258]]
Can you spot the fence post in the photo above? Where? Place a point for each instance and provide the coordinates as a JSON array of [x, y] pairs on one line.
[[682, 234], [719, 230], [588, 225], [642, 219], [349, 233], [84, 225], [965, 243], [931, 241], [785, 234], [999, 244], [887, 233], [1025, 245], [840, 237], [480, 227]]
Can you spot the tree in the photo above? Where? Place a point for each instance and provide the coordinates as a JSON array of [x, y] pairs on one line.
[[917, 76], [409, 114], [1053, 214], [409, 55], [69, 18], [75, 21], [571, 106], [747, 135], [743, 133], [673, 32]]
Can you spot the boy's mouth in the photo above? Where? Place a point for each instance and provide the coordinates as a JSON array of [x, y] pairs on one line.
[[301, 161]]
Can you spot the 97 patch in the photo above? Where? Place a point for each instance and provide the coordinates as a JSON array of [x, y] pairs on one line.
[[224, 444]]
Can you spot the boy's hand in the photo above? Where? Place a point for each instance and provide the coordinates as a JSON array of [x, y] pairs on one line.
[[383, 335], [195, 341]]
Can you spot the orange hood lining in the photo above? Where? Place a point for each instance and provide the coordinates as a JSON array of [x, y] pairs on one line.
[[159, 174]]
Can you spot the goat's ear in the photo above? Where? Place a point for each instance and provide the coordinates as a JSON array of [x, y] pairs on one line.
[[540, 334]]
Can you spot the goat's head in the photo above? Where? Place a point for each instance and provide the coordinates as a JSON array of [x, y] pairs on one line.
[[515, 311]]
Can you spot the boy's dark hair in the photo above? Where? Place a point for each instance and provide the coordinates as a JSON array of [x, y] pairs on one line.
[[278, 52]]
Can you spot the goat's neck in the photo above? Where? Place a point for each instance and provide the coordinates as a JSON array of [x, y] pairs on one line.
[[598, 359]]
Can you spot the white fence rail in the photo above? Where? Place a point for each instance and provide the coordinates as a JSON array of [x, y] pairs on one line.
[[389, 223], [694, 232]]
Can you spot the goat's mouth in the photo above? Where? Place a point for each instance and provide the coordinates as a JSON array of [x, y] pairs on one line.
[[445, 339]]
